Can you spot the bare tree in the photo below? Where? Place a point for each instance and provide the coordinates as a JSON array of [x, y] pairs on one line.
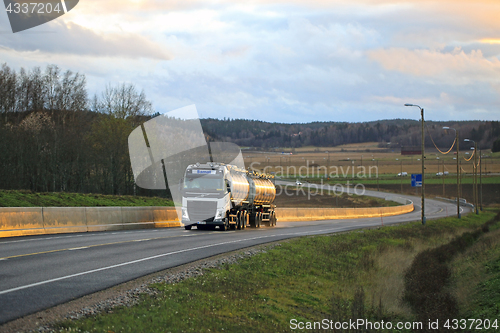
[[8, 86], [72, 92], [124, 101], [51, 86]]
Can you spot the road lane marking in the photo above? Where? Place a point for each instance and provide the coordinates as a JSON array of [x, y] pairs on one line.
[[38, 239], [84, 247], [160, 256]]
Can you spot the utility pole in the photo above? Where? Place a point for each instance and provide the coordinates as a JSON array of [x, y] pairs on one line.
[[458, 178], [444, 191], [401, 176], [481, 179], [475, 186], [423, 167], [474, 176]]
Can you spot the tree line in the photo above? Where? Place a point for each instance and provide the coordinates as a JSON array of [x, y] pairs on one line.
[[392, 134], [53, 137]]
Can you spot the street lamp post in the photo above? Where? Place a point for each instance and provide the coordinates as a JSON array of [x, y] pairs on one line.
[[458, 171], [423, 164]]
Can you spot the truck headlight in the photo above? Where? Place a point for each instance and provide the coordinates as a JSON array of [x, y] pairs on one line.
[[185, 215], [219, 214]]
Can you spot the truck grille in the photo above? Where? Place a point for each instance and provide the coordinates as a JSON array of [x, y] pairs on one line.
[[201, 210]]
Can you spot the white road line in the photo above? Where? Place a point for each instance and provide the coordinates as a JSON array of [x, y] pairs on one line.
[[38, 239], [154, 257], [78, 248]]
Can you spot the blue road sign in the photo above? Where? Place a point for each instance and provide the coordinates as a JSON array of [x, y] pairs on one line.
[[416, 180]]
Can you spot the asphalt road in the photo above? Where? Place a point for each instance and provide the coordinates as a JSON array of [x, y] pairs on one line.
[[38, 272]]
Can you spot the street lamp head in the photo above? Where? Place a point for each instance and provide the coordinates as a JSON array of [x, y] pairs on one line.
[[407, 104], [446, 128], [466, 140]]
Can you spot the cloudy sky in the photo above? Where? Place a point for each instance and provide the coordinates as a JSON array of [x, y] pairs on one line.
[[281, 60]]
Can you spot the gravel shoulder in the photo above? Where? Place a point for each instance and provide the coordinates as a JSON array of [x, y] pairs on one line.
[[125, 294]]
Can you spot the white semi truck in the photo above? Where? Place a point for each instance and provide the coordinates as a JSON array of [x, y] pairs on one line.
[[222, 196]]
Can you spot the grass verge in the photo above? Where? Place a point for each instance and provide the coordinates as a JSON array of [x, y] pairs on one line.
[[339, 277], [13, 198]]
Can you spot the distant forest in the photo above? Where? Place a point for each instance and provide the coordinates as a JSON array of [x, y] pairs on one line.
[[54, 137], [389, 133]]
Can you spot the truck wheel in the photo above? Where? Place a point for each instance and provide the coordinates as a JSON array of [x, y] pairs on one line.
[[252, 219], [245, 221], [187, 227], [240, 220], [225, 226]]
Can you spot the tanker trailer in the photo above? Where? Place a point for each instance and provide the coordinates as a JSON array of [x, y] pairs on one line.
[[222, 196]]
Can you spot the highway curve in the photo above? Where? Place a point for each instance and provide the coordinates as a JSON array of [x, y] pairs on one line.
[[38, 272]]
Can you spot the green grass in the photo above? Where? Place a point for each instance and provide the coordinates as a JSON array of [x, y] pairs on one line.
[[476, 278], [337, 277], [61, 199]]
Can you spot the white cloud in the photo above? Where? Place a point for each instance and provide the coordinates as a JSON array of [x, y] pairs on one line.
[[455, 67], [72, 39], [282, 60]]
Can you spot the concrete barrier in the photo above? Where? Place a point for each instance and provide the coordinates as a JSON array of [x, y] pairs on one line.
[[166, 217], [58, 220], [21, 221], [104, 218], [137, 217], [313, 214], [52, 220]]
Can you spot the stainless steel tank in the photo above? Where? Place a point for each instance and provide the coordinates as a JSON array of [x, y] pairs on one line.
[[240, 187], [262, 191]]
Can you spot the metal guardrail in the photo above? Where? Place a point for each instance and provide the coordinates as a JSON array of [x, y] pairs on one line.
[[463, 202]]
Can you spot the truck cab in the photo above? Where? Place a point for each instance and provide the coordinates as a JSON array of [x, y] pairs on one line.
[[205, 196]]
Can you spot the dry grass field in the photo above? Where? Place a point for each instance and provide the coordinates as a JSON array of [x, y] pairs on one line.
[[362, 158]]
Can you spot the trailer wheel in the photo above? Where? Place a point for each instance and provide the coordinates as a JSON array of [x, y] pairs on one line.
[[273, 219], [258, 220], [244, 221], [252, 219], [239, 222]]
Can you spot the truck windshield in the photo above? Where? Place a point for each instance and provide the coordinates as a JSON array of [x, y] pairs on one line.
[[204, 183]]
